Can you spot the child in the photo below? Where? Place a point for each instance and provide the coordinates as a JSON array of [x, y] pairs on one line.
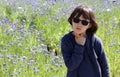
[[82, 50]]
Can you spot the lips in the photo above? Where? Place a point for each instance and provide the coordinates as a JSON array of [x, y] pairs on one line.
[[78, 28]]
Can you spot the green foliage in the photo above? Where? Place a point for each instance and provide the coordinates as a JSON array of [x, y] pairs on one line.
[[30, 40], [8, 11]]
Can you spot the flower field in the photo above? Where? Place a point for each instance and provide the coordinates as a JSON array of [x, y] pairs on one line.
[[31, 32]]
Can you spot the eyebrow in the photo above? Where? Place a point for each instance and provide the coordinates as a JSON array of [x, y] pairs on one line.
[[85, 19]]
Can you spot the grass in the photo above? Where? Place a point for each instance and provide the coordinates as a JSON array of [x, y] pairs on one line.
[[31, 34]]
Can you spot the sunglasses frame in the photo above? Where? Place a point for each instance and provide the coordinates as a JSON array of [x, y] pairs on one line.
[[83, 22]]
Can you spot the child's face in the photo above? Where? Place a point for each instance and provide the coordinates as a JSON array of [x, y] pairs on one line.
[[80, 26]]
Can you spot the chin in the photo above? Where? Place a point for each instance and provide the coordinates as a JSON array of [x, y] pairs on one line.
[[78, 32]]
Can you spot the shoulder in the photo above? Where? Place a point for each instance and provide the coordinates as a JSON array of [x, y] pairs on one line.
[[94, 39], [67, 36], [98, 45], [68, 40], [97, 39]]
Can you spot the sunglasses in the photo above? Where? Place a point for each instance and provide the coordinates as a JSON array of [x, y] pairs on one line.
[[83, 22]]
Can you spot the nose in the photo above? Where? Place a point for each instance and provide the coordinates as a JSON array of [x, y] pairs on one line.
[[78, 24]]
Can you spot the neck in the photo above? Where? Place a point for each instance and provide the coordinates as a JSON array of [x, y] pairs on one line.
[[80, 35]]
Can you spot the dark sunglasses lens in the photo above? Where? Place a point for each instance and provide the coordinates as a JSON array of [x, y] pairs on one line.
[[84, 22], [76, 20]]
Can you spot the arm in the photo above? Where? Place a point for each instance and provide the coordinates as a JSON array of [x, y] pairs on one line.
[[102, 58], [72, 60]]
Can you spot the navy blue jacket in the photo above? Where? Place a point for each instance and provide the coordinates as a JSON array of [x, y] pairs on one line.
[[84, 61]]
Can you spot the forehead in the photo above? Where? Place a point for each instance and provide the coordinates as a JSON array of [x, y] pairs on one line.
[[82, 18], [83, 15], [82, 11]]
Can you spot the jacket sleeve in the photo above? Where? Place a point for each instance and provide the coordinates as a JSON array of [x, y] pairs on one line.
[[102, 58], [72, 58]]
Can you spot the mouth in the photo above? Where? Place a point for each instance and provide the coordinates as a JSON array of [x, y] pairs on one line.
[[78, 28]]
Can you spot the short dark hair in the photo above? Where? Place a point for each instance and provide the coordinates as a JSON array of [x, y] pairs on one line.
[[87, 14]]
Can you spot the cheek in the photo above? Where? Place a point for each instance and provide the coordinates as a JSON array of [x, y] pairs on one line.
[[89, 26], [73, 25]]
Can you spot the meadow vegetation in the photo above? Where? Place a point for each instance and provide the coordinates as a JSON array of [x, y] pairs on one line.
[[31, 32]]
